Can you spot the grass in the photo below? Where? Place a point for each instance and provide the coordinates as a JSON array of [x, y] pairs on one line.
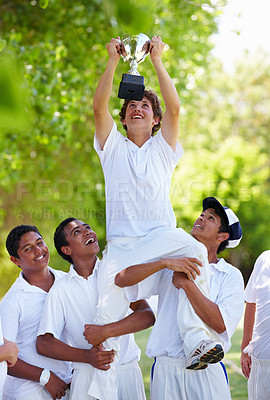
[[238, 383]]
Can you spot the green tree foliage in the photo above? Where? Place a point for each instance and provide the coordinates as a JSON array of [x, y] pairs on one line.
[[43, 3], [51, 57], [52, 54], [225, 132]]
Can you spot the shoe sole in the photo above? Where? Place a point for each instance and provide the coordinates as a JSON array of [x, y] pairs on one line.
[[213, 356], [197, 366]]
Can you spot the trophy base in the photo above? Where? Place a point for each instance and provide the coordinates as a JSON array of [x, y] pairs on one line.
[[131, 87]]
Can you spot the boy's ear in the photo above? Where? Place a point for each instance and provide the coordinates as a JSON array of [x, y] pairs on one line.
[[156, 121], [15, 260], [66, 250], [223, 236]]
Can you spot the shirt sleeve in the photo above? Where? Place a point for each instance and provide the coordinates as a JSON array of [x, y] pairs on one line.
[[144, 289], [53, 315], [10, 316], [259, 275], [113, 140], [170, 158], [231, 304], [1, 333], [250, 291]]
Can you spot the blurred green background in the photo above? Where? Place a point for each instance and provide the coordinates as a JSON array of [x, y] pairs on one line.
[[52, 54]]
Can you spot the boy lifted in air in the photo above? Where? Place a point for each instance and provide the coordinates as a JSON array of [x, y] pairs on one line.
[[140, 222]]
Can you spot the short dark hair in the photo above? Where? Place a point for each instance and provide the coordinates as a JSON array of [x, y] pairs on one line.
[[14, 237], [60, 238], [224, 227], [154, 100]]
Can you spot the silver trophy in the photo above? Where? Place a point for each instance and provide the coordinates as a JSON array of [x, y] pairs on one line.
[[134, 50]]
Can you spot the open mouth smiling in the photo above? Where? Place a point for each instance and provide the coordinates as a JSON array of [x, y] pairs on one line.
[[197, 226], [137, 117], [40, 257], [89, 241]]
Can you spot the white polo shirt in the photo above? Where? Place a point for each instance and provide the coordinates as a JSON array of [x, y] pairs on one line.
[[20, 310], [3, 365], [70, 305], [258, 291], [137, 184], [226, 290]]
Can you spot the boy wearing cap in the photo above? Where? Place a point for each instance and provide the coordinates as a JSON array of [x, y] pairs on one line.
[[255, 347], [33, 377], [216, 228]]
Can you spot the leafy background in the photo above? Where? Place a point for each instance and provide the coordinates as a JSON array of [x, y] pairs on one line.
[[52, 54]]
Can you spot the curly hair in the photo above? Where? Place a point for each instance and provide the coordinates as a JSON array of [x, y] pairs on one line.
[[154, 100]]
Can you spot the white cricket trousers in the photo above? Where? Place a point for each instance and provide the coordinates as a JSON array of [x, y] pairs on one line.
[[259, 380], [129, 382], [172, 381]]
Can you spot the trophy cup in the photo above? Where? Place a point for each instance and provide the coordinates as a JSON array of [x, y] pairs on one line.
[[134, 51]]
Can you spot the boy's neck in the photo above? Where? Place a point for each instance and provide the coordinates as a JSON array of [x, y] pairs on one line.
[[85, 267], [44, 279], [139, 137], [212, 254]]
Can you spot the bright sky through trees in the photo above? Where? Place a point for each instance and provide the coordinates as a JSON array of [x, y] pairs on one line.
[[244, 25]]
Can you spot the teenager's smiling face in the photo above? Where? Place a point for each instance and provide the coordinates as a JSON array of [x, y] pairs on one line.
[[82, 240], [33, 253], [140, 113]]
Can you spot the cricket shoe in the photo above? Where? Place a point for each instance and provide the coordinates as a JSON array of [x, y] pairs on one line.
[[207, 352]]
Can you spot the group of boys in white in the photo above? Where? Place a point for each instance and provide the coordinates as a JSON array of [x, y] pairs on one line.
[[141, 225], [86, 325]]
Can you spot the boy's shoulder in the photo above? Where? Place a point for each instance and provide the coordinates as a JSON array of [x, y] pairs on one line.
[[18, 285], [264, 258], [61, 279], [58, 273]]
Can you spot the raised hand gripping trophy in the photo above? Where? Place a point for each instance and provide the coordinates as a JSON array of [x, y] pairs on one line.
[[135, 49]]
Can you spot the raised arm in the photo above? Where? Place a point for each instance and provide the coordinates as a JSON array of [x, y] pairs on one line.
[[171, 118], [137, 273], [103, 118], [249, 319], [141, 318]]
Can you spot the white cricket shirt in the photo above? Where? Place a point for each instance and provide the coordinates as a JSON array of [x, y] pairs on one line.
[[71, 304], [20, 310], [137, 184], [3, 365], [258, 291], [226, 290]]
